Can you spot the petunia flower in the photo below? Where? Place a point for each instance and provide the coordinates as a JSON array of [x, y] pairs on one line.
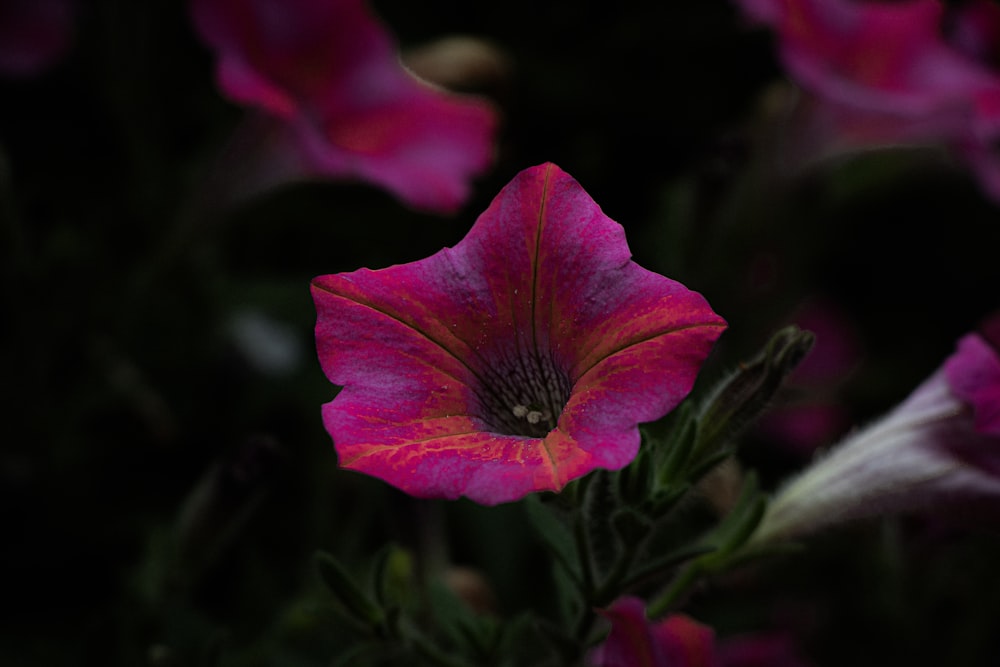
[[911, 71], [34, 34], [679, 641], [521, 359], [328, 75], [941, 444], [634, 641]]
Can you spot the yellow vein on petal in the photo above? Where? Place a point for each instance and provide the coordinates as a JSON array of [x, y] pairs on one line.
[[661, 304], [371, 450], [553, 465], [437, 368], [640, 341]]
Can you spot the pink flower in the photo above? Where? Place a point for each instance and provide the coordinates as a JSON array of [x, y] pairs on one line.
[[678, 641], [329, 75], [913, 70], [942, 443], [634, 641], [34, 34], [522, 358]]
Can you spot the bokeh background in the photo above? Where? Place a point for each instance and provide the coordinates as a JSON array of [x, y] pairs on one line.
[[164, 474]]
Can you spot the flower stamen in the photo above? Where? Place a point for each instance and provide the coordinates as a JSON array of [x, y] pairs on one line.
[[524, 396]]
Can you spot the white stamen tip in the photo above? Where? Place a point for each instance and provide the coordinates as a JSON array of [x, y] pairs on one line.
[[534, 417], [520, 411]]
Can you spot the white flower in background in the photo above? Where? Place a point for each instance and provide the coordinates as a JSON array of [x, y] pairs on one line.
[[941, 444]]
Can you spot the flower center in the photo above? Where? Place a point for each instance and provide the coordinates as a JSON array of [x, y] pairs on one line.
[[524, 395]]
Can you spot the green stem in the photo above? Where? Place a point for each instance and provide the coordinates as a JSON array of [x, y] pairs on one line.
[[588, 585], [583, 551], [687, 578], [662, 565], [612, 585]]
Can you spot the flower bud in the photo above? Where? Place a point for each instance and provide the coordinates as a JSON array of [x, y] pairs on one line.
[[741, 398]]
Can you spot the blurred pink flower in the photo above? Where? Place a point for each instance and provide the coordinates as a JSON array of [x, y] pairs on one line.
[[635, 641], [34, 34], [522, 358], [942, 443], [328, 73], [679, 641], [889, 72]]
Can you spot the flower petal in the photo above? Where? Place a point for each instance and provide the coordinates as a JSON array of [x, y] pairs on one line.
[[630, 642], [974, 375], [634, 641], [686, 642]]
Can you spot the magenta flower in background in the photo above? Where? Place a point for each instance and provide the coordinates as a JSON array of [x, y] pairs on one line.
[[329, 76], [679, 641], [889, 72], [635, 641], [34, 34], [522, 358], [941, 444]]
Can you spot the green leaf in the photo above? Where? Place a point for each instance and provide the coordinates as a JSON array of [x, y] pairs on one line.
[[600, 505], [471, 633], [631, 526], [737, 527], [635, 480], [569, 599], [709, 462], [674, 453], [483, 634], [392, 574], [342, 586], [664, 564], [723, 545], [555, 535], [434, 654], [664, 499]]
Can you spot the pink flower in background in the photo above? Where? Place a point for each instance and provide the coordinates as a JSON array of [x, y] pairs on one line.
[[889, 72], [634, 641], [34, 34], [328, 73], [942, 443], [522, 358], [678, 641]]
